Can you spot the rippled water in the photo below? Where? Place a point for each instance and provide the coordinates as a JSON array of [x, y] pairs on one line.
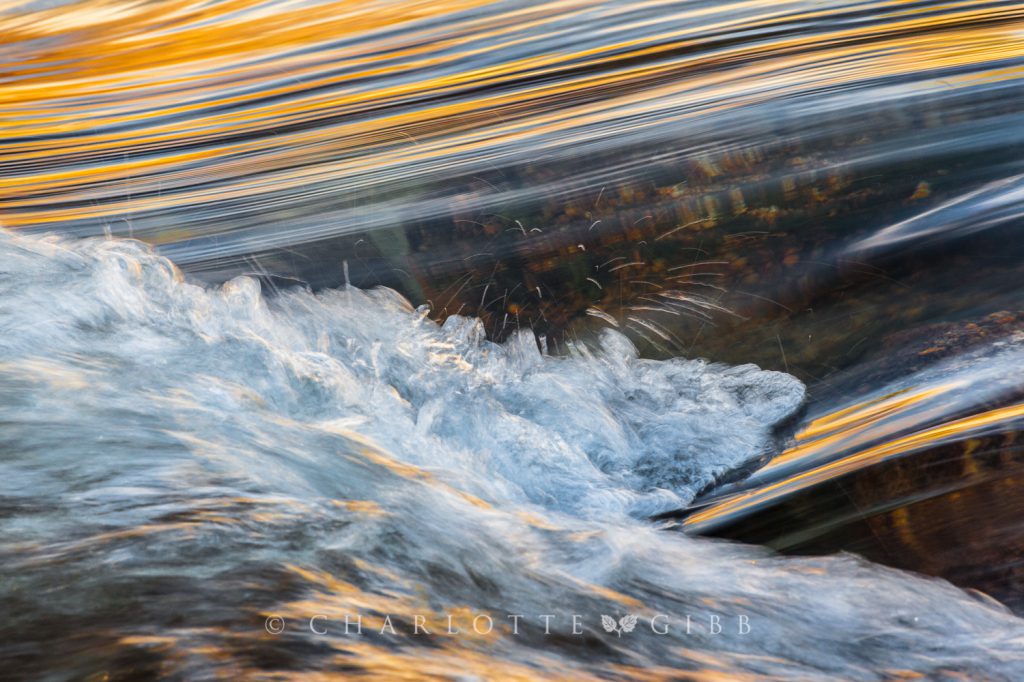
[[521, 162], [222, 129], [198, 480]]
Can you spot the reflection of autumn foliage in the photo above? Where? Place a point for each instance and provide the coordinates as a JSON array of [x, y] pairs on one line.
[[647, 252], [733, 254], [604, 248]]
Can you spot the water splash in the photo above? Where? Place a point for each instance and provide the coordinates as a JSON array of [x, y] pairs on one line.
[[596, 434], [182, 463]]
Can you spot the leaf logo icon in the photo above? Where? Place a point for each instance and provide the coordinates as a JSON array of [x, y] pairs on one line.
[[625, 624]]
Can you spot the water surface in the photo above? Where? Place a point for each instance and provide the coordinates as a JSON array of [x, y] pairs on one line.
[[196, 453]]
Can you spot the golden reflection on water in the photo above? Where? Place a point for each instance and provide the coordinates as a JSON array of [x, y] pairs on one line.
[[183, 110], [109, 110], [857, 425], [984, 423]]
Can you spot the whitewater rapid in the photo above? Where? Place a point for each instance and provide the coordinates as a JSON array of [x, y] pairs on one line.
[[179, 465]]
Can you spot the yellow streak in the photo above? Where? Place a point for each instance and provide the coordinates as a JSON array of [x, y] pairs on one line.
[[930, 437]]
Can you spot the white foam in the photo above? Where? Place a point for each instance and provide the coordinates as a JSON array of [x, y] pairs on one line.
[[192, 445], [593, 434]]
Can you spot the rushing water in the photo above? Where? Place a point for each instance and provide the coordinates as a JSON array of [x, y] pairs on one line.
[[182, 464], [202, 480], [219, 130]]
